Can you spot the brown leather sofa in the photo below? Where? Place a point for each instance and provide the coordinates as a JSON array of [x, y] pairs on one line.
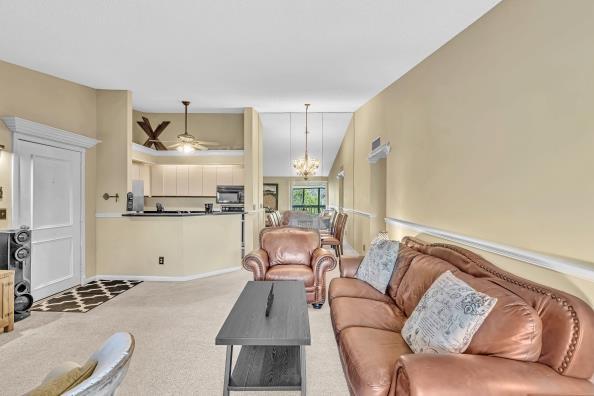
[[288, 253], [536, 341]]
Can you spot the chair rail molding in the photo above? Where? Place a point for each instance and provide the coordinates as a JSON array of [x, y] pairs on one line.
[[379, 153], [23, 127], [568, 266], [359, 212], [174, 153]]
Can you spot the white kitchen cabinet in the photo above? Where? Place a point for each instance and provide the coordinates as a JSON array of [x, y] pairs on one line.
[[182, 180], [145, 176], [224, 176], [187, 180], [237, 175], [195, 180], [157, 180], [142, 172], [135, 171], [209, 181], [169, 180]]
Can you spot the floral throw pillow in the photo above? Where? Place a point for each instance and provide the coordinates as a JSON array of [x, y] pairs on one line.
[[447, 317], [378, 264]]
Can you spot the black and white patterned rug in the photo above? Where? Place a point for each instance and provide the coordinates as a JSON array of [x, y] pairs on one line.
[[84, 298]]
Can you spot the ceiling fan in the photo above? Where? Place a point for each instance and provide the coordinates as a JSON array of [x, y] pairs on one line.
[[187, 143]]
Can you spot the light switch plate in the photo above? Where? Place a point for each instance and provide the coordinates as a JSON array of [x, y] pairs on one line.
[[2, 214]]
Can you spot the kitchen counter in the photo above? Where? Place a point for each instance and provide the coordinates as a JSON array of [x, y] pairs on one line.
[[178, 213], [168, 246]]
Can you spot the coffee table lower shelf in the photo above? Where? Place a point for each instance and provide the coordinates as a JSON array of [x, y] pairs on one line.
[[267, 368]]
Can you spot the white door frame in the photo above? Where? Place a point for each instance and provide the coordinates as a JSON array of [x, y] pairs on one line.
[[25, 130]]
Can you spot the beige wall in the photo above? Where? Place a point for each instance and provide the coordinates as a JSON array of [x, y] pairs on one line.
[[253, 178], [492, 135], [226, 129], [284, 188], [58, 103], [114, 129]]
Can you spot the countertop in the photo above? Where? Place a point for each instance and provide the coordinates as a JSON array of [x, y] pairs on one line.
[[177, 213]]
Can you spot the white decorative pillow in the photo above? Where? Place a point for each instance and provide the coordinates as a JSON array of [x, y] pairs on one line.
[[447, 317], [378, 264]]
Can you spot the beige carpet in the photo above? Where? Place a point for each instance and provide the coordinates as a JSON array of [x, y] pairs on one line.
[[175, 325]]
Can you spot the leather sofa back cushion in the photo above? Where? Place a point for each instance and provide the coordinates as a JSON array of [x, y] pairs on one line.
[[512, 330], [290, 245]]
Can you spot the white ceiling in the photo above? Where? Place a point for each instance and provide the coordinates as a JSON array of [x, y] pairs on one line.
[[284, 140], [225, 55]]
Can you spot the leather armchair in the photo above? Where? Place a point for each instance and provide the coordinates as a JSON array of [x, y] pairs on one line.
[[288, 253]]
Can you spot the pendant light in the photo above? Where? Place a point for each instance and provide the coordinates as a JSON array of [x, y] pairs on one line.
[[306, 166]]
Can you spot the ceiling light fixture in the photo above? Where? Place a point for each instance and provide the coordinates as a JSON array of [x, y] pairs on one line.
[[187, 143], [306, 166]]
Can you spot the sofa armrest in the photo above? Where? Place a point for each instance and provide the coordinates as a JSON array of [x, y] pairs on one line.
[[257, 262], [349, 265], [322, 260], [461, 374]]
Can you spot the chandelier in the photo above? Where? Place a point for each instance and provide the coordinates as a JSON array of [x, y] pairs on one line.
[[306, 166]]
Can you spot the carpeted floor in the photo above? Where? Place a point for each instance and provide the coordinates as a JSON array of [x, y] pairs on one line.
[[175, 325]]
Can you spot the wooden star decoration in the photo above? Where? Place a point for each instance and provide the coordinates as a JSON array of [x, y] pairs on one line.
[[153, 139]]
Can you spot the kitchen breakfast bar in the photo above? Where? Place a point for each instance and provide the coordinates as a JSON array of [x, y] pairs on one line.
[[173, 245]]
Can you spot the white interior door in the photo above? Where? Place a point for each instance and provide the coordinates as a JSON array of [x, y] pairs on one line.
[[50, 203]]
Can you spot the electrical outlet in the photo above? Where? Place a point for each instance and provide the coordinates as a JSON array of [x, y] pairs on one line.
[[161, 260], [2, 214]]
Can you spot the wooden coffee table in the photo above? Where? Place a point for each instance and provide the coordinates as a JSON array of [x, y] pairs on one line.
[[272, 355]]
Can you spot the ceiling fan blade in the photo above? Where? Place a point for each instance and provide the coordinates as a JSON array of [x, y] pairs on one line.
[[162, 141], [205, 143], [176, 145], [200, 147]]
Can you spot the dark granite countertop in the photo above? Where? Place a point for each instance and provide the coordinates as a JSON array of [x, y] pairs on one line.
[[178, 213]]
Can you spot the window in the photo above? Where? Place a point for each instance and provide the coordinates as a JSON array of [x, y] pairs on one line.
[[309, 199]]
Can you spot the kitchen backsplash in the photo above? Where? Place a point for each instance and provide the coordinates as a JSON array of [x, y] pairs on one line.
[[179, 203]]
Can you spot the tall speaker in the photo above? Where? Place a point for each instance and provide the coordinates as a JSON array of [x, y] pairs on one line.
[[15, 255]]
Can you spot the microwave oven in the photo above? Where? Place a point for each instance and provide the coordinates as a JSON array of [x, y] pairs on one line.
[[230, 195]]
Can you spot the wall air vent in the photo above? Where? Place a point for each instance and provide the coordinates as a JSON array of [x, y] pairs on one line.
[[378, 152], [375, 143]]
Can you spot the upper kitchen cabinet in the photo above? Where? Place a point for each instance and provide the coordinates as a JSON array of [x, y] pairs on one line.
[[224, 175], [157, 180], [182, 177], [237, 175], [142, 172], [195, 181], [192, 180], [209, 181], [169, 180]]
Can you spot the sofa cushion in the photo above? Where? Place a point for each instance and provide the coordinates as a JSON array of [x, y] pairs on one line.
[[405, 258], [291, 272], [512, 330], [360, 312], [447, 317], [369, 357], [350, 287], [421, 274]]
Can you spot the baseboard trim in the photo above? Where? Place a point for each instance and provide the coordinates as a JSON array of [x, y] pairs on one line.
[[152, 278], [579, 269]]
